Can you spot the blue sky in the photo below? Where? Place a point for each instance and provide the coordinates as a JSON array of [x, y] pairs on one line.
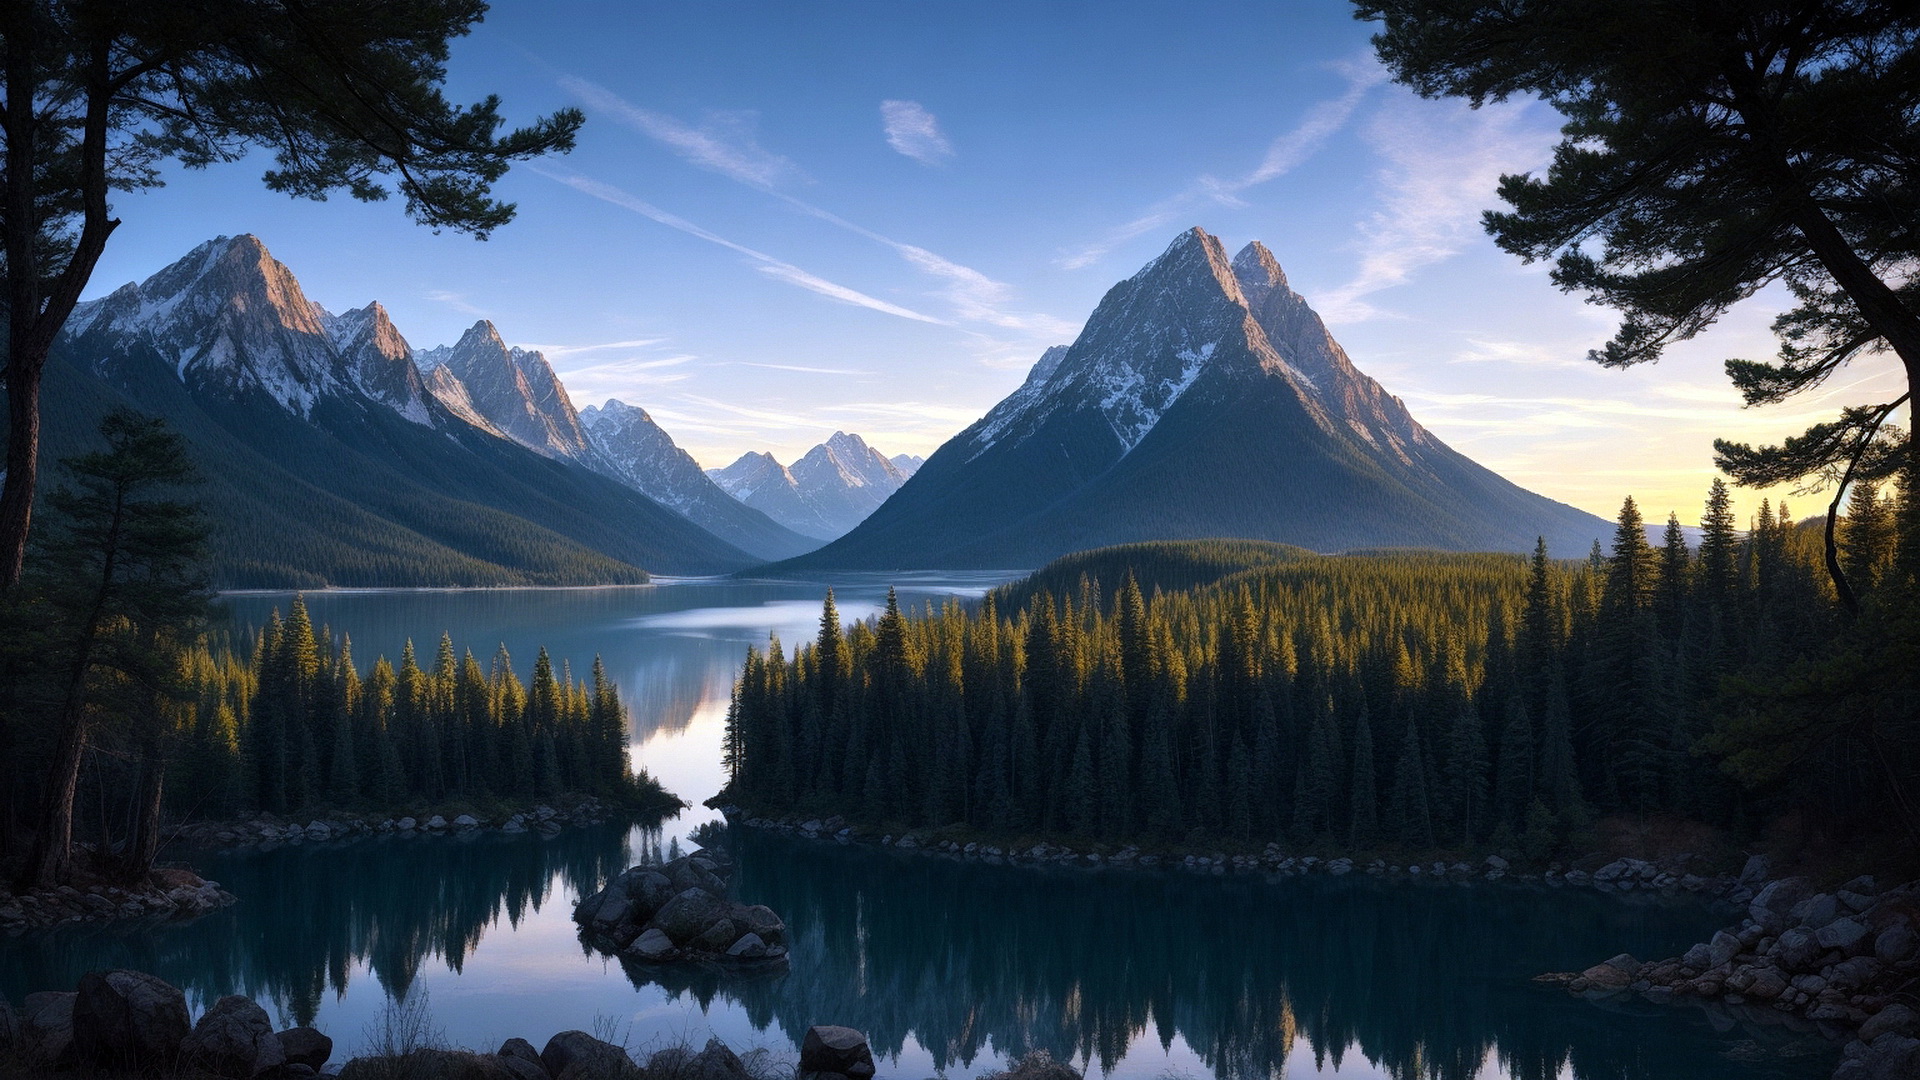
[[785, 219]]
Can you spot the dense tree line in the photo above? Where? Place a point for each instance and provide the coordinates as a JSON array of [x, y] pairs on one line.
[[299, 726], [1412, 700], [118, 713]]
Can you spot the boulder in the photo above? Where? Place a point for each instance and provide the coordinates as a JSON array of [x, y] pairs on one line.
[[716, 1062], [1853, 974], [689, 873], [1896, 1018], [1767, 984], [831, 1049], [436, 823], [523, 1050], [305, 1046], [648, 889], [128, 1019], [652, 946], [1796, 950], [1842, 934], [46, 1029], [1771, 906], [577, 1047], [1612, 975], [1890, 1057], [1816, 910], [688, 915], [717, 936], [761, 920], [523, 1069], [466, 821], [749, 947], [235, 1037], [1895, 943], [1722, 949], [1757, 870]]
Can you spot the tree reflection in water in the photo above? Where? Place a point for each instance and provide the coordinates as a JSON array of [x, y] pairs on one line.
[[972, 962]]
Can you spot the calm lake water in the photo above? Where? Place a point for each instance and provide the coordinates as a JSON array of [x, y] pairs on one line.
[[948, 967]]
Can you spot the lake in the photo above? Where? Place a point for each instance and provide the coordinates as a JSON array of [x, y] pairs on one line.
[[949, 967]]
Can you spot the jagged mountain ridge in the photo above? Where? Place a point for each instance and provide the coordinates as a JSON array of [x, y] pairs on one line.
[[328, 459], [1204, 398], [825, 492], [628, 446], [514, 390]]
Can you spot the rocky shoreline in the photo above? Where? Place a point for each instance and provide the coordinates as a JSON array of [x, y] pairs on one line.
[[1844, 963], [268, 831], [130, 1023], [1669, 875], [173, 893]]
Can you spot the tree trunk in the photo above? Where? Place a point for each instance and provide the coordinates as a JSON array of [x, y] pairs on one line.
[[144, 846], [53, 847]]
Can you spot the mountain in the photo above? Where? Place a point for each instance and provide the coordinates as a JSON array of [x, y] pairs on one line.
[[829, 490], [515, 391], [632, 449], [1204, 398], [327, 457], [908, 464]]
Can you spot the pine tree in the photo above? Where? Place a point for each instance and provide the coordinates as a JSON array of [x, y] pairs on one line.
[[1363, 828], [1866, 537], [1409, 814]]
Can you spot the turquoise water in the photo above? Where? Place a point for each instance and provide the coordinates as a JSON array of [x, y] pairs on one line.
[[948, 966]]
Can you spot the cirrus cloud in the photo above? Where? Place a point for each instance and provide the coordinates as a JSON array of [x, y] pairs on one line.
[[913, 131]]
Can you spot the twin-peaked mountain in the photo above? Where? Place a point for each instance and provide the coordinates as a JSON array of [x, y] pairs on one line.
[[1204, 398], [331, 457], [828, 491]]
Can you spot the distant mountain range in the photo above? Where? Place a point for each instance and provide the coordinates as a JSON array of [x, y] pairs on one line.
[[334, 454], [829, 490], [1204, 398]]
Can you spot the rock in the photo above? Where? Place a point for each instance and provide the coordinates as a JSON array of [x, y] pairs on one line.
[[1895, 1018], [234, 1038], [1895, 943], [1757, 870], [761, 920], [1795, 949], [1495, 862], [694, 874], [652, 946], [1767, 984], [289, 1071], [436, 823], [1890, 1057], [717, 936], [829, 1049], [305, 1046], [46, 1029], [749, 947], [1699, 958], [1816, 910], [716, 1062], [466, 821], [569, 1047], [406, 824], [687, 916], [1853, 974], [1612, 975], [1771, 905], [1722, 949], [648, 889], [1853, 901], [1841, 934], [522, 1049], [128, 1019]]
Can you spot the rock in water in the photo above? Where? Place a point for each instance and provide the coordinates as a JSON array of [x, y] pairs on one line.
[[836, 1050], [305, 1046], [568, 1047], [128, 1019], [46, 1029], [235, 1038]]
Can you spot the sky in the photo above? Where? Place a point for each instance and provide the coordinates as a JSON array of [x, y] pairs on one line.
[[783, 220]]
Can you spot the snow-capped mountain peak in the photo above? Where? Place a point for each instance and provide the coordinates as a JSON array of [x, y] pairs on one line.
[[227, 316]]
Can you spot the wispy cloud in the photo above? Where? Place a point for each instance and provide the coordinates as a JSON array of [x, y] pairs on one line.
[[803, 368], [975, 297], [1442, 164], [1286, 153], [766, 264], [554, 352], [726, 143], [454, 300], [913, 131]]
